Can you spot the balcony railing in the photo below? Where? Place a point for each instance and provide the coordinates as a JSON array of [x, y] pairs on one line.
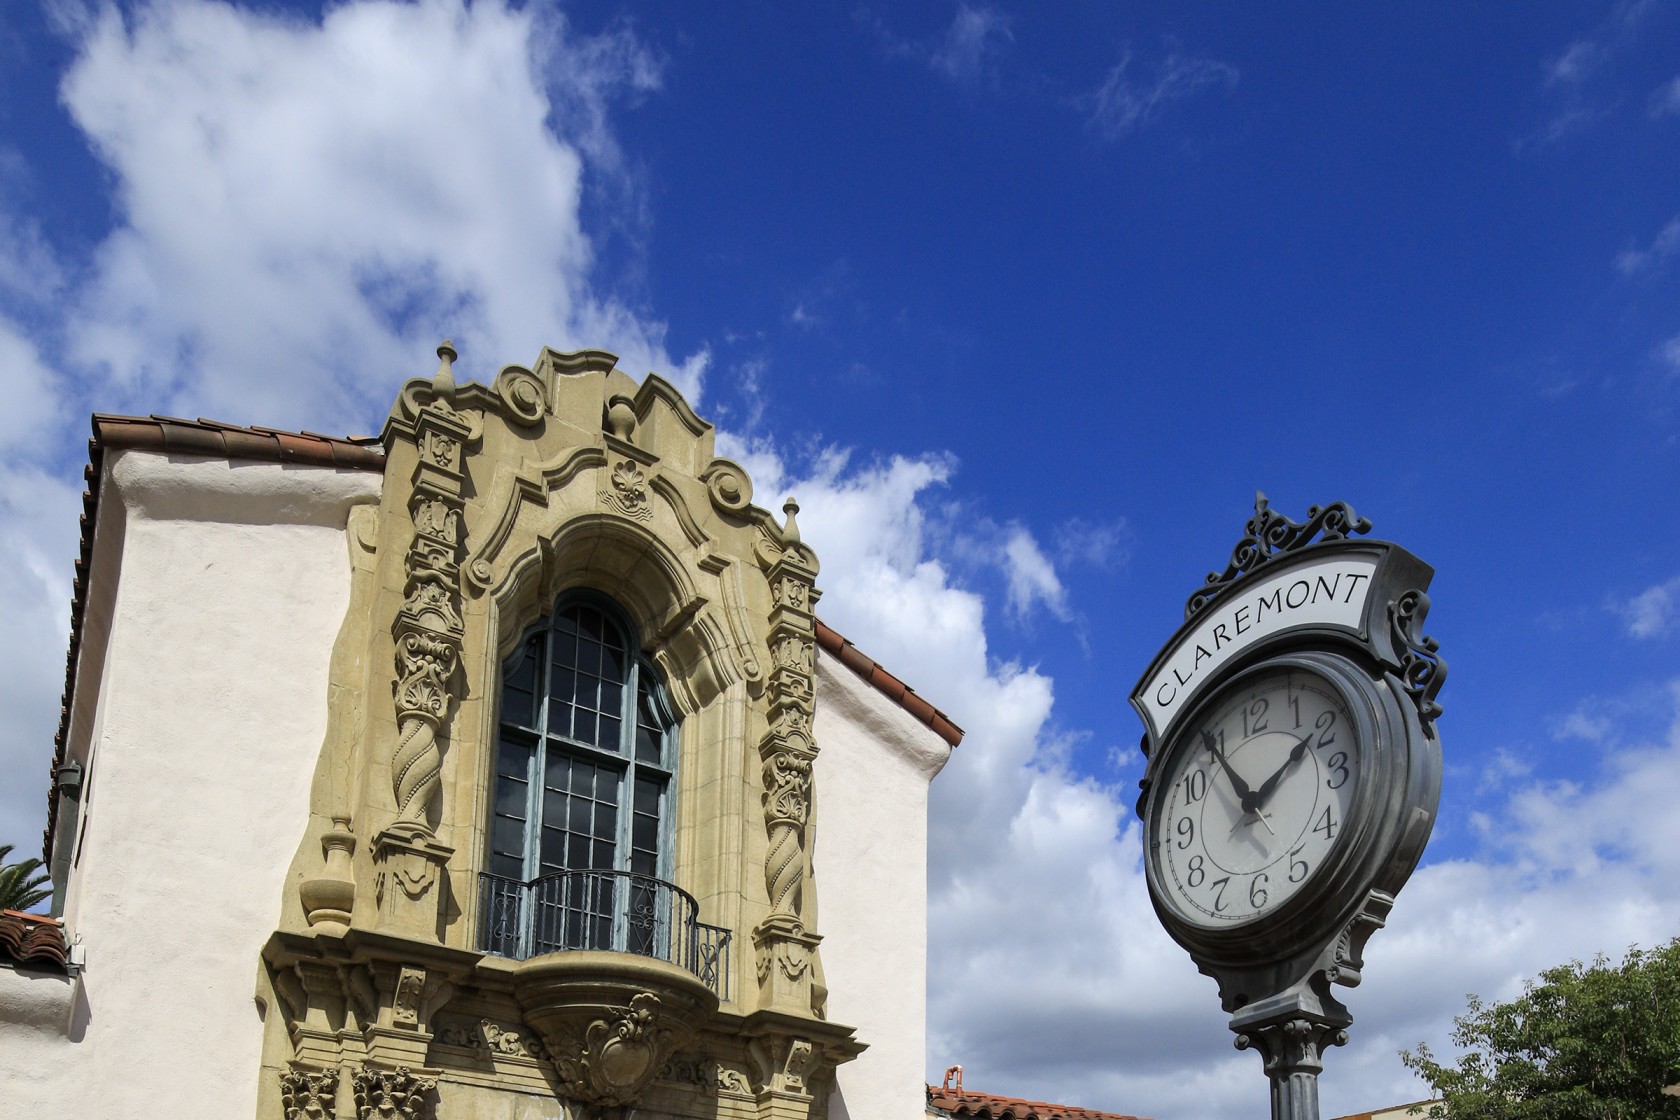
[[614, 910]]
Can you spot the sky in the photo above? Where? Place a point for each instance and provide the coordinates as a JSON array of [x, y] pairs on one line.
[[1023, 303]]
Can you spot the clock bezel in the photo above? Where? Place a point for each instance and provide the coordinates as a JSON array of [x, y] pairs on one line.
[[1373, 735]]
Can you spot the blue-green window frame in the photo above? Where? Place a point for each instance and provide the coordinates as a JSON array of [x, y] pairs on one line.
[[561, 721]]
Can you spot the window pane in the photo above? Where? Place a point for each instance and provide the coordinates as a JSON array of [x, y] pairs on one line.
[[647, 745], [513, 760], [644, 833], [589, 622], [511, 798], [507, 838], [612, 660], [612, 697], [553, 849], [608, 735], [581, 818]]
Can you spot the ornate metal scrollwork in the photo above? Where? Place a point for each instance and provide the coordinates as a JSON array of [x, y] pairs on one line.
[[1422, 668], [1269, 534]]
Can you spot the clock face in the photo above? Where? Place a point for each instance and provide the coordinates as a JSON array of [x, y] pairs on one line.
[[1254, 797]]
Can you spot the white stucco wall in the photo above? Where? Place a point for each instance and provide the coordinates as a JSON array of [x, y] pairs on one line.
[[234, 580], [870, 873]]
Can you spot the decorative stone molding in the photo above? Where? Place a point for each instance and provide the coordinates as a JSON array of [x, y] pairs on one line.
[[610, 1021], [786, 753], [706, 1074], [408, 866], [392, 1094], [329, 899], [492, 1037], [308, 1094], [428, 627]]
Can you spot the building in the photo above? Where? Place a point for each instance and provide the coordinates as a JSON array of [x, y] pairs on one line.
[[492, 768]]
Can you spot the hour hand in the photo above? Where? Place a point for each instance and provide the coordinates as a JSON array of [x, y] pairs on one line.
[[1269, 786], [1250, 803]]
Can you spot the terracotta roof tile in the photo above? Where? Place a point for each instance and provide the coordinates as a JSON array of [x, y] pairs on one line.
[[33, 939], [887, 684], [965, 1103]]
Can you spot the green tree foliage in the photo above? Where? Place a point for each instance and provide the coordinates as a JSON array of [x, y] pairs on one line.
[[1583, 1042], [20, 887]]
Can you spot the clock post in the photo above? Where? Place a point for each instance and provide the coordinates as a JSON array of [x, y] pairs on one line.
[[1293, 776]]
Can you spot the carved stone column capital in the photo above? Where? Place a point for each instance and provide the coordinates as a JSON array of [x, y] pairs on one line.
[[393, 1094], [307, 1093]]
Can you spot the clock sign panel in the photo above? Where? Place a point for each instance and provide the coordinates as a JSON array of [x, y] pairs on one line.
[[1255, 797]]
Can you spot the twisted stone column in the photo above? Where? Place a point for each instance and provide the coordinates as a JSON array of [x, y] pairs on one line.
[[786, 752]]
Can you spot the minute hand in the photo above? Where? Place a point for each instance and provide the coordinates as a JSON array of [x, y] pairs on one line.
[[1247, 797], [1269, 786]]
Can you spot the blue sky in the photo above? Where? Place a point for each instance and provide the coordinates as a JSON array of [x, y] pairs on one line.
[[1024, 304]]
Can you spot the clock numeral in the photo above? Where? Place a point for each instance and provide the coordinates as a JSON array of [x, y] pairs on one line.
[[1186, 832], [1338, 765], [1295, 707], [1219, 894], [1324, 723], [1257, 890], [1326, 825], [1295, 876], [1198, 871], [1195, 786], [1258, 711]]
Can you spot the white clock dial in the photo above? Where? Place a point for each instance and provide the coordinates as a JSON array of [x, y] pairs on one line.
[[1257, 792]]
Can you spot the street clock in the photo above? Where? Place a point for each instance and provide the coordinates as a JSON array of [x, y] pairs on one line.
[[1293, 775]]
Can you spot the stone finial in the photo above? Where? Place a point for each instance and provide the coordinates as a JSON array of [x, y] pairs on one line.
[[444, 380], [790, 530], [621, 416]]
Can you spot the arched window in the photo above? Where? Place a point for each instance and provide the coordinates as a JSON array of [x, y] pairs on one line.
[[581, 811]]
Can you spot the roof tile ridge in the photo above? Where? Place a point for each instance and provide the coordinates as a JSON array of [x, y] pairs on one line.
[[886, 683]]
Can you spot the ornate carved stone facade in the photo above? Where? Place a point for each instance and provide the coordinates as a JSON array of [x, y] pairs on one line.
[[497, 499]]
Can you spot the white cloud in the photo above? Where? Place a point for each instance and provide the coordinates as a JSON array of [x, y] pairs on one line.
[[1126, 101], [1102, 546], [1664, 245], [975, 36], [965, 53], [37, 545], [1569, 74], [29, 422], [299, 202], [1652, 613], [1032, 577], [1049, 976], [1665, 99]]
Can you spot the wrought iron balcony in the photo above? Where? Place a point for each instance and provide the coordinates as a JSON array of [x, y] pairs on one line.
[[612, 910]]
